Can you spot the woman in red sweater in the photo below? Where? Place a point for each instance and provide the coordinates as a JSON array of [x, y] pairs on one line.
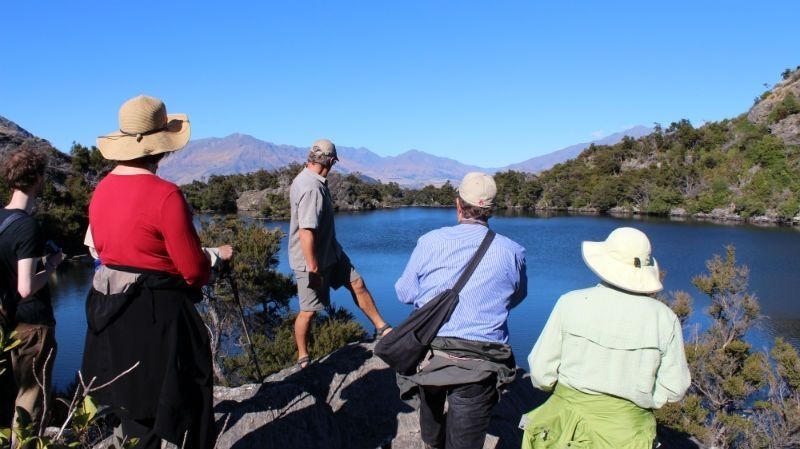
[[140, 310]]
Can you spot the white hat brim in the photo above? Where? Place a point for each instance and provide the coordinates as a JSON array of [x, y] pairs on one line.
[[117, 146], [627, 277]]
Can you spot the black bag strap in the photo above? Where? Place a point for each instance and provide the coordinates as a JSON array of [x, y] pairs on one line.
[[10, 219], [473, 263]]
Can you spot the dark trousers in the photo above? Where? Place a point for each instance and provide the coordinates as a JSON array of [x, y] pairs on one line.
[[467, 418]]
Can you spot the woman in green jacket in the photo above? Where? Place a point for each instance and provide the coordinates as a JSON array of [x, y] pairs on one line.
[[610, 354]]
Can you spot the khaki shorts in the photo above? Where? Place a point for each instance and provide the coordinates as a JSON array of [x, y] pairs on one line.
[[337, 275]]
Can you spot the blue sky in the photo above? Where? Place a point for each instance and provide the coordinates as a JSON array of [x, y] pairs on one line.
[[487, 83]]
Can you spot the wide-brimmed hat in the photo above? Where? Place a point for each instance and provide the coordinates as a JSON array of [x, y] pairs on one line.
[[145, 129], [624, 260], [478, 189]]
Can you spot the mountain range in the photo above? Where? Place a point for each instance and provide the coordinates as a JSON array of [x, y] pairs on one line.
[[241, 153]]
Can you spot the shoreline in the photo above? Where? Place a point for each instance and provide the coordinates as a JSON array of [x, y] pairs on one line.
[[718, 216]]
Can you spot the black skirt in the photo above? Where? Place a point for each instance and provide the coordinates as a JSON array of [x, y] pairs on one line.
[[156, 324]]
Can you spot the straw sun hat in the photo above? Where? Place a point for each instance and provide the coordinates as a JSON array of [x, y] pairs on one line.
[[145, 129], [624, 260]]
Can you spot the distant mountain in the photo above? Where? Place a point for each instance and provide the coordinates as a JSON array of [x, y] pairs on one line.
[[240, 153], [547, 161], [237, 153]]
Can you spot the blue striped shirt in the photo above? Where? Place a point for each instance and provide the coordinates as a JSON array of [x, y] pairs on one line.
[[498, 284]]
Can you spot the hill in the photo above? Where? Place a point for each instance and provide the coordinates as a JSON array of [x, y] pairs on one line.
[[70, 180], [13, 136], [547, 161], [744, 168]]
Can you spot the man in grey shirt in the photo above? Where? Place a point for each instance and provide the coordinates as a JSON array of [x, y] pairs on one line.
[[315, 256]]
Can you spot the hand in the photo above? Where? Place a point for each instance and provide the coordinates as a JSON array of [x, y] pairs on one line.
[[54, 260], [225, 252], [314, 280]]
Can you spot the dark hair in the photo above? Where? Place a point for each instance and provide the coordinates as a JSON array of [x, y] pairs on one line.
[[471, 212], [153, 159], [144, 161], [23, 167]]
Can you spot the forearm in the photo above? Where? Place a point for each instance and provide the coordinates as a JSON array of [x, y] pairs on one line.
[[29, 282], [307, 246]]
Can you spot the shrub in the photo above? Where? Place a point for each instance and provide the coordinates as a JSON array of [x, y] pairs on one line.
[[738, 397], [785, 108], [329, 332]]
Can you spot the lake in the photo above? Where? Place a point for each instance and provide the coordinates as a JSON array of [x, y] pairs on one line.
[[380, 242]]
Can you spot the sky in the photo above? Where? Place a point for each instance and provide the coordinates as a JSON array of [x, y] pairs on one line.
[[486, 83]]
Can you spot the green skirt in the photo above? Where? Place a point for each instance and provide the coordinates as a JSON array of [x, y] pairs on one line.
[[573, 419]]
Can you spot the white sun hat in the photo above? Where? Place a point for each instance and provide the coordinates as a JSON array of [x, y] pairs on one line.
[[624, 260]]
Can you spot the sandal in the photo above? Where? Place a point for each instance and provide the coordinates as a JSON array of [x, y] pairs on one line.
[[381, 331], [303, 362]]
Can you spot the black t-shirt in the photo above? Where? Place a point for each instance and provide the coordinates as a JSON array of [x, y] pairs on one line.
[[22, 240]]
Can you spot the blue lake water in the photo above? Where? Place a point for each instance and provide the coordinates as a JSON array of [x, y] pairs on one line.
[[380, 242]]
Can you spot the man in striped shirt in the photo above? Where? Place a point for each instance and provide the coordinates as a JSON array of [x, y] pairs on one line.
[[477, 331]]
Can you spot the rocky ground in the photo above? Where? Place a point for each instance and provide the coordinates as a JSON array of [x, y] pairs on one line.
[[349, 400]]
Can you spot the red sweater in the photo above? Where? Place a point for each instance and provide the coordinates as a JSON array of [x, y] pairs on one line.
[[143, 221]]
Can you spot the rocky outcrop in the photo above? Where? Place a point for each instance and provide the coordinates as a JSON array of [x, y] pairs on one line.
[[13, 136], [252, 200], [720, 214], [786, 123], [346, 400], [349, 400], [759, 113], [788, 129]]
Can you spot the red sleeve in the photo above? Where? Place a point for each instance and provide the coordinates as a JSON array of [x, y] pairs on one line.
[[182, 242]]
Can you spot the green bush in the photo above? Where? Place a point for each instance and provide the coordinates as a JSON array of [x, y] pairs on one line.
[[785, 108], [329, 332], [274, 207], [739, 397]]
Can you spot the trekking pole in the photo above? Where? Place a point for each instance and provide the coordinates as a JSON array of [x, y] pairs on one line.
[[227, 272]]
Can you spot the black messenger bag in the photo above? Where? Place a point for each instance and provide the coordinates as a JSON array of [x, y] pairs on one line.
[[405, 346]]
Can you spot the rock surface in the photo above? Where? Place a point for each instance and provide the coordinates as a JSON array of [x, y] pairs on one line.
[[760, 111], [788, 129], [349, 400], [251, 200], [13, 136]]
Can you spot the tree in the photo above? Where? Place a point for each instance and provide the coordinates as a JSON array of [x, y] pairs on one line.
[[263, 291], [738, 398]]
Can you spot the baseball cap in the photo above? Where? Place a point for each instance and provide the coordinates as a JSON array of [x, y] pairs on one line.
[[324, 147], [478, 189]]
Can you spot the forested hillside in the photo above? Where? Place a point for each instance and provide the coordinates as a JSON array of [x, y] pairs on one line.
[[747, 167]]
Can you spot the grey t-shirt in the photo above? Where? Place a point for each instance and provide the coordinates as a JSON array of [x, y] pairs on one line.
[[312, 208]]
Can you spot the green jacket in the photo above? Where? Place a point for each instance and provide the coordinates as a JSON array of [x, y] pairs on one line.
[[576, 420]]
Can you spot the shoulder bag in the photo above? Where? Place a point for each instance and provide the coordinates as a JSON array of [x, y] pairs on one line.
[[406, 345]]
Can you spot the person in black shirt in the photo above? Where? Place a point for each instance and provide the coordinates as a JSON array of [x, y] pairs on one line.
[[25, 306]]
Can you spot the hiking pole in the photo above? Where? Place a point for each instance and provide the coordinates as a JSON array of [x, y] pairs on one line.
[[227, 272]]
